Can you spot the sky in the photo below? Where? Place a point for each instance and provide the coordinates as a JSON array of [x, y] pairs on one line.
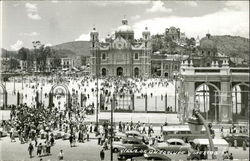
[[56, 22]]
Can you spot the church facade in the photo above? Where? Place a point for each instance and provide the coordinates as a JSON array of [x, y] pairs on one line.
[[121, 55]]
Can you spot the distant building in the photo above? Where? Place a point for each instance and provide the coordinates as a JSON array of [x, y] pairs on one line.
[[67, 63], [173, 33]]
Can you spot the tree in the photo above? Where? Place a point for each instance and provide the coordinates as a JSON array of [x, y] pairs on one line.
[[23, 53], [13, 63]]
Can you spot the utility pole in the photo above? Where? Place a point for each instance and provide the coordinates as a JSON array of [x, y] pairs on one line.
[[111, 120]]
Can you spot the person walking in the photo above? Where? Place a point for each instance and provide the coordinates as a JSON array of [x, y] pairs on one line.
[[230, 156], [71, 140], [60, 155], [30, 149], [102, 154], [39, 149]]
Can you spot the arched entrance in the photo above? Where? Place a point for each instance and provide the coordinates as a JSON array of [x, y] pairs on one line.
[[104, 72], [207, 99], [62, 94], [240, 102], [119, 71], [136, 72]]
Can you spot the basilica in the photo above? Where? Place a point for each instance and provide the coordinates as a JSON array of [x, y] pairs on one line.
[[122, 55]]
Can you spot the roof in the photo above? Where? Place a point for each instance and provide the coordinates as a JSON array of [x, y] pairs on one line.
[[215, 141], [131, 139], [175, 140], [178, 128], [132, 132]]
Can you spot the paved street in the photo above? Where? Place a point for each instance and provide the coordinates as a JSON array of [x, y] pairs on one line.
[[88, 151]]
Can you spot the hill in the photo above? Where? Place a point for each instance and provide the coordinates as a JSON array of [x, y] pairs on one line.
[[233, 46], [80, 48]]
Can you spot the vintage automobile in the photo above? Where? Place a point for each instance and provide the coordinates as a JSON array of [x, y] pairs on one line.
[[239, 137], [151, 156], [173, 145], [138, 135], [127, 154], [129, 143]]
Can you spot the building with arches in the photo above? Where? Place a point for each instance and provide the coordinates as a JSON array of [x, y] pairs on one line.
[[210, 81], [120, 55]]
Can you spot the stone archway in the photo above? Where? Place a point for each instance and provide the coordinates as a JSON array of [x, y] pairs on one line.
[[240, 93], [136, 72], [58, 89], [3, 97], [119, 71], [207, 96]]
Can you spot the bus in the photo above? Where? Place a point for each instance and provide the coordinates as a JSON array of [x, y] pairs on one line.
[[182, 132]]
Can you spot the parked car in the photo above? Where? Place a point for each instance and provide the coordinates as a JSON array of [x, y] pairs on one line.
[[138, 135], [129, 143], [173, 145], [151, 156], [125, 155], [119, 135], [239, 137]]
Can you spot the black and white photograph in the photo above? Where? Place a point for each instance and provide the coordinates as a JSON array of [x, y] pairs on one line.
[[114, 80]]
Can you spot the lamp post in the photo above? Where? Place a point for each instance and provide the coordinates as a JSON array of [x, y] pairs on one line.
[[175, 91], [14, 85], [22, 81], [111, 122]]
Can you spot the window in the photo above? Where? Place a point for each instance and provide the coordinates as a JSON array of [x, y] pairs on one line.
[[136, 56], [176, 67], [178, 143], [208, 53], [103, 56]]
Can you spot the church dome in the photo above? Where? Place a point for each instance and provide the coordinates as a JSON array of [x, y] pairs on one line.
[[207, 43], [124, 27]]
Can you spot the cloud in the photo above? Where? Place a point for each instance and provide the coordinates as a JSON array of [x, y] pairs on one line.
[[18, 45], [136, 17], [31, 7], [158, 7], [225, 22], [32, 11], [106, 3], [16, 4], [34, 16], [48, 44], [191, 3], [55, 1], [236, 5], [30, 34], [83, 37]]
